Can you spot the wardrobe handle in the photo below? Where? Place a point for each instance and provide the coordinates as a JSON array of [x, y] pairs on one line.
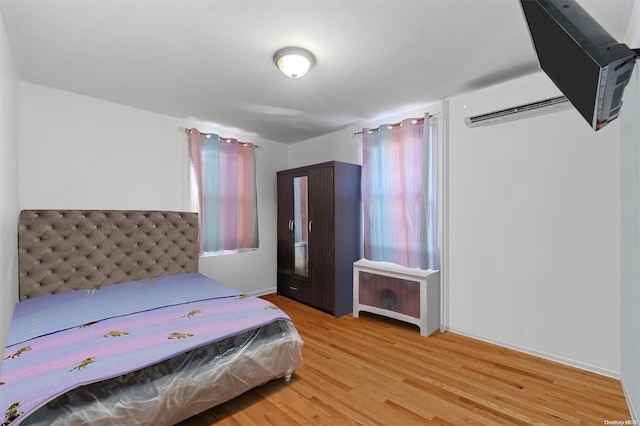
[[290, 224], [310, 225]]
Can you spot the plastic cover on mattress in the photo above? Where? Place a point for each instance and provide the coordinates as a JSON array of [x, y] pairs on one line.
[[180, 387]]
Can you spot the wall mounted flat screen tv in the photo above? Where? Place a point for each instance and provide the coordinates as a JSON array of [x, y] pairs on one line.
[[586, 63]]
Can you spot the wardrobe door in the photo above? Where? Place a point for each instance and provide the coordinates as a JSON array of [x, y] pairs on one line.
[[321, 238], [285, 225]]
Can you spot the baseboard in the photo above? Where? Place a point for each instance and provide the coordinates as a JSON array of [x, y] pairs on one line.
[[259, 293], [632, 409], [541, 354]]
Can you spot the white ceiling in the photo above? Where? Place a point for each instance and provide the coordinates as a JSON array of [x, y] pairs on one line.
[[212, 60]]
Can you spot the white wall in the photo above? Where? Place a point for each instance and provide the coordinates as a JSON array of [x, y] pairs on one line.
[[630, 243], [630, 228], [337, 146], [534, 229], [8, 186], [78, 152]]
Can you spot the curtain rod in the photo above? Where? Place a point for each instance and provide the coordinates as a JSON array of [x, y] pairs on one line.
[[391, 125], [220, 138]]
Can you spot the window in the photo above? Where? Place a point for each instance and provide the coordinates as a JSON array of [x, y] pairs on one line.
[[223, 191]]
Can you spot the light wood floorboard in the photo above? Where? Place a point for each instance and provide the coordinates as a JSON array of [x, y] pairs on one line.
[[377, 371]]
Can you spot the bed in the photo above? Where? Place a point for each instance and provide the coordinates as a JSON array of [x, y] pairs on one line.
[[116, 326]]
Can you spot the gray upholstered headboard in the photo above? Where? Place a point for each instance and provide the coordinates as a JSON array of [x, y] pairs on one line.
[[63, 250]]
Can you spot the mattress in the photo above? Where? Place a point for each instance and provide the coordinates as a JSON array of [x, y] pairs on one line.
[[144, 352]]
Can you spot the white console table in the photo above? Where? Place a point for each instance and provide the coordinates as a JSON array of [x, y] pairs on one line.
[[396, 297]]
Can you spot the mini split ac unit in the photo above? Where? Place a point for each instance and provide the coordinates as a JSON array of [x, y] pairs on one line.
[[518, 112]]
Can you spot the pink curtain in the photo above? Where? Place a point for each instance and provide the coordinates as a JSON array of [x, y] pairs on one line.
[[223, 192], [399, 211]]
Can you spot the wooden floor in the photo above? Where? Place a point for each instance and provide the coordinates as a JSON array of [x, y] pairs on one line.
[[376, 371]]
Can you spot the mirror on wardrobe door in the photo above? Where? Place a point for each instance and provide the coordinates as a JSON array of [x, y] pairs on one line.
[[300, 226]]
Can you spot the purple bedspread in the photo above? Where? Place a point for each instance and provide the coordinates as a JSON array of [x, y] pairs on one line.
[[85, 337]]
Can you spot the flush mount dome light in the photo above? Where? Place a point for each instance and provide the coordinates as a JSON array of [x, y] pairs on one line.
[[294, 62]]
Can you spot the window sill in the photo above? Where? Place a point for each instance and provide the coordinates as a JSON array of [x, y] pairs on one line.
[[225, 252]]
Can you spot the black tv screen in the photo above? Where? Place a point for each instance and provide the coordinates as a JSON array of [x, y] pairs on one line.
[[586, 63]]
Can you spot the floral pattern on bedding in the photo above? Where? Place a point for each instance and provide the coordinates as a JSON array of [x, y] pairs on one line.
[[44, 367]]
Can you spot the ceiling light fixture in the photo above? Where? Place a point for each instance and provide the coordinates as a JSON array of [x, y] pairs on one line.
[[294, 62]]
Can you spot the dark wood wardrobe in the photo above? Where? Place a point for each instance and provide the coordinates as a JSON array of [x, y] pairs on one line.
[[319, 234]]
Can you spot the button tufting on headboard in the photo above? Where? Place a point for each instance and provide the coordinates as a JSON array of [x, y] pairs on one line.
[[63, 250]]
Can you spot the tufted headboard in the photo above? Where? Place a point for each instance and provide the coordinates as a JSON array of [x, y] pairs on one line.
[[63, 250]]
